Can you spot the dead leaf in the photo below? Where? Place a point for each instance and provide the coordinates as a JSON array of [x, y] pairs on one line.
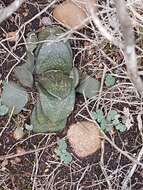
[[20, 150], [128, 118], [18, 133], [12, 36]]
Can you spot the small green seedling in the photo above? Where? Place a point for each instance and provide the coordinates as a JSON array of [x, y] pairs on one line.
[[113, 117], [99, 117], [109, 80], [112, 120], [61, 151]]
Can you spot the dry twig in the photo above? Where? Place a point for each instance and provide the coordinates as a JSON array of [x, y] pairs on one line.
[[8, 11], [129, 44]]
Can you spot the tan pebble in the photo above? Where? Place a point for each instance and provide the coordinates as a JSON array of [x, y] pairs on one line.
[[85, 138], [12, 36], [70, 15], [18, 133], [17, 160], [20, 150]]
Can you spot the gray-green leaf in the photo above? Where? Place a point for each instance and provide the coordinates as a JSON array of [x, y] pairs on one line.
[[62, 144], [74, 75], [109, 80], [54, 56], [3, 110], [98, 115], [89, 86], [56, 109], [14, 96], [56, 83], [42, 123], [24, 75], [121, 127], [111, 115], [53, 53]]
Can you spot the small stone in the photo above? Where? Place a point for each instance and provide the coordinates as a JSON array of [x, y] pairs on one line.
[[73, 13], [12, 36], [70, 15], [18, 133], [85, 138], [46, 21]]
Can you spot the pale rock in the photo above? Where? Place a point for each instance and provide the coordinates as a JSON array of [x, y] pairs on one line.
[[72, 14], [84, 138], [18, 133]]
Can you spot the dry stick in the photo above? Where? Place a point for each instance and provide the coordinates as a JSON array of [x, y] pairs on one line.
[[129, 45], [129, 51], [11, 156], [33, 18], [101, 86], [9, 10], [37, 15], [131, 172], [100, 26], [118, 149], [102, 165], [9, 119]]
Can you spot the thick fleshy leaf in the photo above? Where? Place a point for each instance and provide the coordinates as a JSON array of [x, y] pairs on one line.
[[31, 41], [14, 96], [30, 62], [75, 76], [24, 75], [3, 110], [54, 56], [110, 80], [42, 124], [50, 31], [56, 83], [56, 109], [53, 33], [54, 53], [89, 86]]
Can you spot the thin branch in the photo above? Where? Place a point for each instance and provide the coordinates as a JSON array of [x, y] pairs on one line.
[[129, 45], [11, 156], [134, 166], [101, 27], [8, 11]]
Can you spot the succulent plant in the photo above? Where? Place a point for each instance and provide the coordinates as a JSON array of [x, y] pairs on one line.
[[54, 53], [56, 83], [49, 58], [53, 59]]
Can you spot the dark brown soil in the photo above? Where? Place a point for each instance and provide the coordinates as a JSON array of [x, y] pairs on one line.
[[42, 167]]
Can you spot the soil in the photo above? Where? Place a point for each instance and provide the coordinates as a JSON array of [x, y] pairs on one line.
[[31, 163]]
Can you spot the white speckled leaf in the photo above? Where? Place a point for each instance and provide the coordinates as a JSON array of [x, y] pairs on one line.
[[42, 124], [56, 83], [55, 56], [54, 53], [57, 109]]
